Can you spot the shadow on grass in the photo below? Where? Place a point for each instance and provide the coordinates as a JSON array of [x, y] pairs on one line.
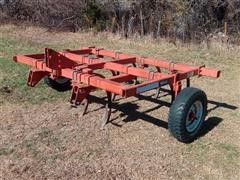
[[131, 111], [220, 105], [209, 125]]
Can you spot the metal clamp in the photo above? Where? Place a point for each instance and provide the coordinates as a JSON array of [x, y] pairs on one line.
[[171, 67], [151, 75], [117, 55], [199, 69], [141, 61], [98, 49], [76, 71]]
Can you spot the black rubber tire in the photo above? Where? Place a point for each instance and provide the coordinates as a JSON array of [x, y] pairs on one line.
[[179, 112], [58, 86]]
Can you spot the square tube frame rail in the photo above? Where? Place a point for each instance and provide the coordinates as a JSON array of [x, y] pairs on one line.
[[80, 66]]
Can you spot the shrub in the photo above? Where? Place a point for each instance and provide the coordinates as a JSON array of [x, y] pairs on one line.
[[185, 19]]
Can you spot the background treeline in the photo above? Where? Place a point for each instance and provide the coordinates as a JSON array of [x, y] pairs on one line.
[[187, 20]]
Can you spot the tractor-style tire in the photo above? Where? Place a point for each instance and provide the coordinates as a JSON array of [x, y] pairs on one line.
[[187, 114], [60, 84]]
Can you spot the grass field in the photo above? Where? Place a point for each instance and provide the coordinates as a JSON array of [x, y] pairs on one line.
[[41, 137]]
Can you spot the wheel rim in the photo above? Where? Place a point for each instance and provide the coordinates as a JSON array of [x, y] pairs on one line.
[[194, 116], [61, 80]]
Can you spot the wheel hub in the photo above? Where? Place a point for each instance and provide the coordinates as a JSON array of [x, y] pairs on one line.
[[194, 116]]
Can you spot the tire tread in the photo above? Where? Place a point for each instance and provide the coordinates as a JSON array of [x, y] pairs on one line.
[[179, 109]]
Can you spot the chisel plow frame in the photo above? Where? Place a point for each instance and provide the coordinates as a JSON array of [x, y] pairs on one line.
[[130, 75]]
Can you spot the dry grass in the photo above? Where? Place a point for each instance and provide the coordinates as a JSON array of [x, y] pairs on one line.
[[48, 140]]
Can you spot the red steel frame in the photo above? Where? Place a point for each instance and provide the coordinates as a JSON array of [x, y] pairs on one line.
[[80, 66]]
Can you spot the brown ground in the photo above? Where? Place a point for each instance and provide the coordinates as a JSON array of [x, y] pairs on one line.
[[49, 140]]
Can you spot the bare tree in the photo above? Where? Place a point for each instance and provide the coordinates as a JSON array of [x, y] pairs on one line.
[[188, 20]]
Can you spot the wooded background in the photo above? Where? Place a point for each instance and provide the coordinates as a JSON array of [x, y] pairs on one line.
[[186, 20]]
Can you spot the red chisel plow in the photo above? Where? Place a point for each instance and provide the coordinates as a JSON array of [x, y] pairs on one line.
[[78, 70]]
